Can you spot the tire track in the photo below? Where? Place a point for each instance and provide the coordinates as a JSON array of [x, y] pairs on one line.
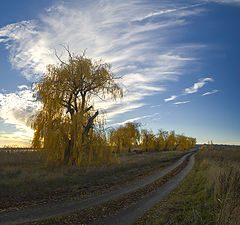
[[56, 209]]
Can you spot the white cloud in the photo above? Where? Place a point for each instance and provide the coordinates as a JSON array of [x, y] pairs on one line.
[[170, 98], [179, 103], [170, 11], [17, 109], [236, 2], [120, 109], [210, 92], [23, 87], [154, 106], [15, 138], [134, 119], [197, 85]]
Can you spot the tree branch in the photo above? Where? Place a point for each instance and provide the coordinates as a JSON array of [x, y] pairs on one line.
[[89, 108], [90, 123]]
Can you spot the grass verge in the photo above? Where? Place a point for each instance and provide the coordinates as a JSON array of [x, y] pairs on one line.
[[209, 195]]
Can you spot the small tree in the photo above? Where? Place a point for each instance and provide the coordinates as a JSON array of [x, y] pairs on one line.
[[148, 140], [64, 126]]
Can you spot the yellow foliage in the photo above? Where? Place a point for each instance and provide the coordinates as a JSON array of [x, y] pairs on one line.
[[165, 141], [203, 147], [124, 137], [148, 140], [64, 126]]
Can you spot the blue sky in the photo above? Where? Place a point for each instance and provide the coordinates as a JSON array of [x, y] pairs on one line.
[[179, 61]]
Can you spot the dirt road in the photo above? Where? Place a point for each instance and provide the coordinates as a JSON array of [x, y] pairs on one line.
[[129, 215], [53, 209]]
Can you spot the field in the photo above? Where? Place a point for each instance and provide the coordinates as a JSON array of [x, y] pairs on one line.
[[210, 195], [27, 180]]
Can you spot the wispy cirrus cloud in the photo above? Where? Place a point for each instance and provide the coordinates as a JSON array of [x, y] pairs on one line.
[[173, 97], [172, 11], [23, 86], [130, 35], [235, 2], [196, 86], [154, 106], [135, 119], [210, 92], [193, 89], [179, 103]]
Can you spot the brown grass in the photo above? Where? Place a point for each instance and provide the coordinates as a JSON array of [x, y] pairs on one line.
[[210, 194], [26, 179], [224, 179]]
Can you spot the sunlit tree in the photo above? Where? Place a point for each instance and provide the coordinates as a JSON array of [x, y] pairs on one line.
[[125, 137], [193, 141], [182, 142], [161, 139], [116, 138], [148, 141], [171, 141], [132, 135], [65, 125]]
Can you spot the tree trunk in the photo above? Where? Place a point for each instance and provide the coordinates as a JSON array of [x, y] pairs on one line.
[[67, 152], [89, 126]]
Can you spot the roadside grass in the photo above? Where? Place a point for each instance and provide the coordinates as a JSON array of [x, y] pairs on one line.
[[26, 179], [98, 212], [209, 195]]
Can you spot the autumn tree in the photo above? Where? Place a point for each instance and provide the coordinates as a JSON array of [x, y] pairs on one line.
[[116, 137], [148, 140], [65, 125], [182, 142], [171, 141], [161, 139], [124, 137], [132, 135]]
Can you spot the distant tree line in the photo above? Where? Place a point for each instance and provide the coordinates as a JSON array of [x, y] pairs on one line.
[[130, 137]]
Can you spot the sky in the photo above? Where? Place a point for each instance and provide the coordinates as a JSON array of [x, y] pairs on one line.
[[178, 62]]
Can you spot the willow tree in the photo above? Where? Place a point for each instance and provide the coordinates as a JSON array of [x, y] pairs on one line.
[[65, 125], [124, 137], [148, 140]]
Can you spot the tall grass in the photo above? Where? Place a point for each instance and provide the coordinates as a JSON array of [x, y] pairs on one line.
[[223, 174], [209, 195]]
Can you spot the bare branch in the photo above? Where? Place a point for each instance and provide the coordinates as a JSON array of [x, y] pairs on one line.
[[59, 58]]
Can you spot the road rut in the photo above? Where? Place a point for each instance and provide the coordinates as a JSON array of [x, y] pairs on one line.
[[129, 215]]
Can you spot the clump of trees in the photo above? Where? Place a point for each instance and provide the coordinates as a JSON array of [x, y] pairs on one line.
[[124, 137], [68, 127], [129, 137]]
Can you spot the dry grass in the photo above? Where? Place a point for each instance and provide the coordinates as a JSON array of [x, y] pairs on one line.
[[224, 179], [210, 194], [25, 178]]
